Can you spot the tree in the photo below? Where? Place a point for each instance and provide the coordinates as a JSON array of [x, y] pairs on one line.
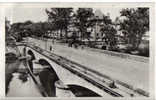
[[109, 35], [106, 20], [16, 27], [83, 17], [37, 29], [28, 22], [19, 28], [60, 17], [109, 32], [135, 25]]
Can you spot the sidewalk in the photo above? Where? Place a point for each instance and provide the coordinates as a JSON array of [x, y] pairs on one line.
[[131, 72]]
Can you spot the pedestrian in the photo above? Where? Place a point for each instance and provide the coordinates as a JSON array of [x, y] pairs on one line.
[[53, 41], [50, 48], [24, 51]]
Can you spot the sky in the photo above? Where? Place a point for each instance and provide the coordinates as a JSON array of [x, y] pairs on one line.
[[37, 14], [24, 14]]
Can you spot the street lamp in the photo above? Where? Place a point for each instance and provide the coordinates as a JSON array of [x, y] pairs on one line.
[[96, 23]]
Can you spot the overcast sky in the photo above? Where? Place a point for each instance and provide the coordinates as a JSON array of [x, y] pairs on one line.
[[22, 14]]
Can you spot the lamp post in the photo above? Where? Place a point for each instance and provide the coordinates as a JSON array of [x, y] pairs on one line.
[[44, 42], [96, 22]]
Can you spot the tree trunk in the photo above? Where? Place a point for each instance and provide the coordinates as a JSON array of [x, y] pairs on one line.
[[139, 41], [66, 34], [60, 33]]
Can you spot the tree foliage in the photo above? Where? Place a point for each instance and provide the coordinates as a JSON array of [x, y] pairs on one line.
[[135, 25], [109, 35], [31, 28], [109, 32], [106, 20], [83, 16], [60, 17]]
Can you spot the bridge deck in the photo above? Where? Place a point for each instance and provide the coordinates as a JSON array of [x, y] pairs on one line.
[[118, 68]]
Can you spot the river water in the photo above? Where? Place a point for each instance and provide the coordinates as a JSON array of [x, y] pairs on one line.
[[22, 84]]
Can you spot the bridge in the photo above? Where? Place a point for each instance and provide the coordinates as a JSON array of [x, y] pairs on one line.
[[73, 79]]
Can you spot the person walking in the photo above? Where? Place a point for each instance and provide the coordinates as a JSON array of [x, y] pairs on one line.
[[50, 48]]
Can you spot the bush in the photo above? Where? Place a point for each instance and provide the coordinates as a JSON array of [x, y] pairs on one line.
[[104, 47], [144, 49], [113, 48], [129, 49]]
